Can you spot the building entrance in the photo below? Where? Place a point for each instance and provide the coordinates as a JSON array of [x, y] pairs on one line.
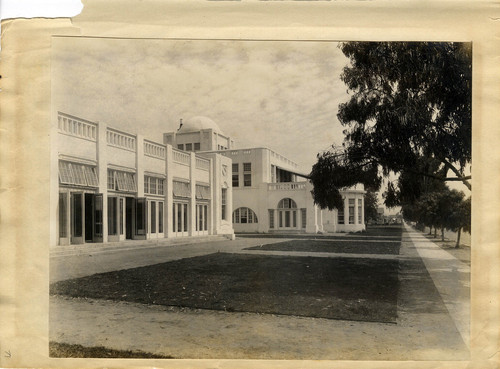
[[287, 214], [86, 217], [129, 218]]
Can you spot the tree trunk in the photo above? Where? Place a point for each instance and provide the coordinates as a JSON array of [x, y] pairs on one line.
[[458, 238], [442, 234], [430, 230], [435, 232]]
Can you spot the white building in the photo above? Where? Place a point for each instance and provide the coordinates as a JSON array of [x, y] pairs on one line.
[[269, 193], [110, 185]]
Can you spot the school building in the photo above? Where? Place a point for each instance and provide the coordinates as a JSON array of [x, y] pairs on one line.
[[109, 185]]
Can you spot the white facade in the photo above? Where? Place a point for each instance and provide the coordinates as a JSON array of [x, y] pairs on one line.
[[269, 195], [113, 186]]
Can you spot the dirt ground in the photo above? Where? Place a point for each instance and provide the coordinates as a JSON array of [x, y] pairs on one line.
[[424, 328]]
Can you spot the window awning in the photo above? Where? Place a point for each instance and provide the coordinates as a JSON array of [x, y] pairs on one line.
[[202, 192], [77, 174], [304, 175], [181, 189]]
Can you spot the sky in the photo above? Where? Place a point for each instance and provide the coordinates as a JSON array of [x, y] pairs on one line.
[[278, 94]]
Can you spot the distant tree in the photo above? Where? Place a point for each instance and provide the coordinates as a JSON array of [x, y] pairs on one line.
[[409, 100], [460, 218], [442, 210], [371, 205]]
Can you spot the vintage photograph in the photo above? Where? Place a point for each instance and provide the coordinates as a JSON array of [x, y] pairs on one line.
[[252, 199]]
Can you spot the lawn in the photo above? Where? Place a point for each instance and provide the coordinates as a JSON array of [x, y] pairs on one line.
[[335, 288], [334, 246]]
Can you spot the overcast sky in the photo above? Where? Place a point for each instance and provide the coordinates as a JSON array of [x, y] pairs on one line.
[[282, 95]]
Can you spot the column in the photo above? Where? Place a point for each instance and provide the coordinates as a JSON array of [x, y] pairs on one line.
[[356, 210], [346, 213], [102, 168], [192, 202], [210, 220], [54, 184], [169, 194]]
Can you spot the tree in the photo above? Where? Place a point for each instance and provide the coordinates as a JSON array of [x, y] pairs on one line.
[[460, 219], [371, 205], [409, 100]]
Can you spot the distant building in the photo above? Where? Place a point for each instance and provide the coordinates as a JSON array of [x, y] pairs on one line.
[[108, 185], [269, 193]]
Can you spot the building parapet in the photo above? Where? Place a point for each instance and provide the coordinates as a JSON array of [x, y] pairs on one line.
[[77, 127], [286, 186], [154, 149], [181, 157], [120, 139], [203, 164]]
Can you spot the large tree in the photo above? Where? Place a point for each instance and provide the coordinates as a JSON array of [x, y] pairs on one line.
[[408, 101]]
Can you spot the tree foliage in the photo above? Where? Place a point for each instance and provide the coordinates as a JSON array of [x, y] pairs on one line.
[[371, 205], [408, 101]]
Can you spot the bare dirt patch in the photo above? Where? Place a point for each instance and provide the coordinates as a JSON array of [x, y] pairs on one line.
[[57, 349]]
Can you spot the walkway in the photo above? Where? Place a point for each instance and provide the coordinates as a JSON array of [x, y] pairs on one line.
[[430, 308], [451, 278]]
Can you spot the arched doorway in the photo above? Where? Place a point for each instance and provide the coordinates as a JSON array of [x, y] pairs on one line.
[[287, 214]]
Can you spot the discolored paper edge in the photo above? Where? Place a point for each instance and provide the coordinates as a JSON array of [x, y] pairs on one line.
[[25, 143]]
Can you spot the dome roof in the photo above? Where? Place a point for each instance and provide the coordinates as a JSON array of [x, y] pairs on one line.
[[197, 124]]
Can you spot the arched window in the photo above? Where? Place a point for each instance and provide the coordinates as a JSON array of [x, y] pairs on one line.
[[287, 204], [244, 215]]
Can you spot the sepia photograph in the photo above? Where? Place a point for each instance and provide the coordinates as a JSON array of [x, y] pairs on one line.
[[260, 199]]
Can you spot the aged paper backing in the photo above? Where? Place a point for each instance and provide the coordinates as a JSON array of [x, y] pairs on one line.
[[25, 143]]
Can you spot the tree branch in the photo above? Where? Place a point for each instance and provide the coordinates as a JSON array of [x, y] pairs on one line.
[[457, 172]]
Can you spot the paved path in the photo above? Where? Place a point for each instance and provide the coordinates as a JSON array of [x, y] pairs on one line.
[[451, 278], [426, 327]]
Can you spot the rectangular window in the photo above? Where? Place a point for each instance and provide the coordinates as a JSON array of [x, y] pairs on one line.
[[180, 146], [247, 167], [152, 186], [340, 216], [63, 221], [141, 216], [179, 217], [160, 217], [304, 217], [121, 216], [98, 210], [153, 216], [271, 218], [146, 184], [77, 215], [223, 204], [351, 211], [161, 185], [65, 173], [205, 217], [360, 211], [111, 179], [236, 176], [185, 217], [294, 217], [196, 146], [189, 147], [273, 174], [112, 216], [247, 180]]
